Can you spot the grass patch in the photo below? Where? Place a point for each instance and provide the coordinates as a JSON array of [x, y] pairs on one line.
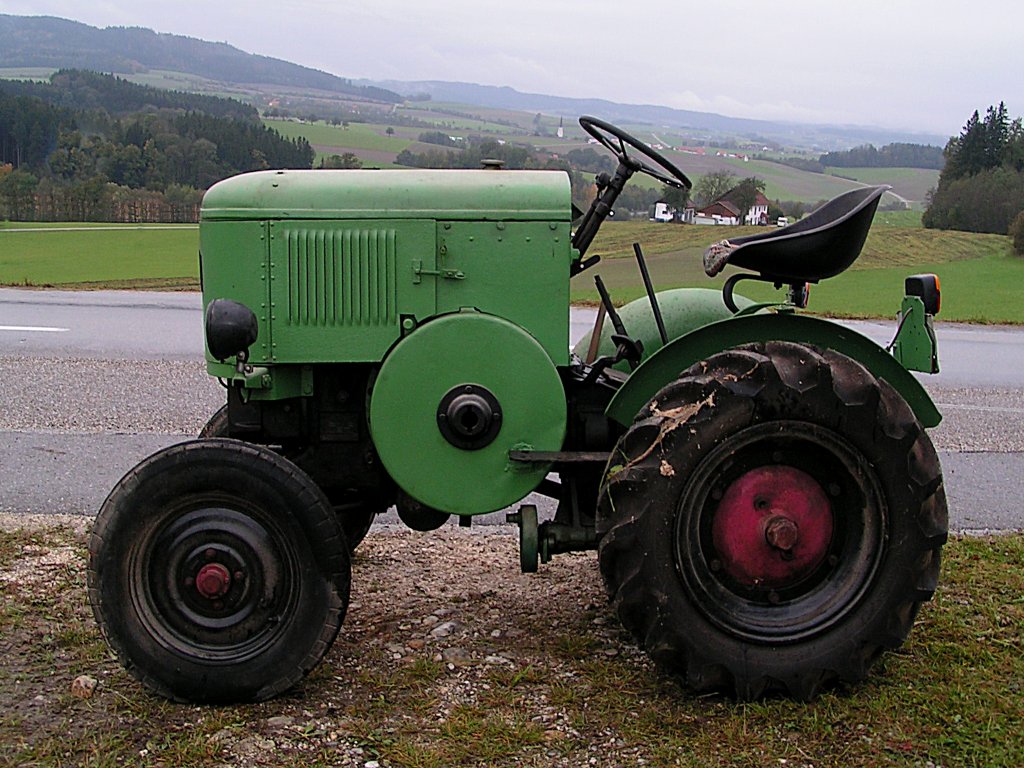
[[978, 272], [905, 218], [39, 74], [782, 182], [911, 183], [463, 117], [952, 696], [358, 136], [100, 256]]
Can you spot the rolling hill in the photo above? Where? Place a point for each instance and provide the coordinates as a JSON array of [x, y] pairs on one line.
[[49, 42], [45, 42], [389, 116], [790, 134]]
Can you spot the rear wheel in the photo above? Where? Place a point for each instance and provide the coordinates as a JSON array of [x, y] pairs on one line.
[[355, 516], [217, 572], [772, 521]]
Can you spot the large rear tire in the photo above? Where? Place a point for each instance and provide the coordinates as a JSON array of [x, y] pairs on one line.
[[355, 516], [772, 521], [218, 573]]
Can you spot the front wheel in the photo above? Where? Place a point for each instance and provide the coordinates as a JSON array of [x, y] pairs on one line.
[[772, 521], [217, 572]]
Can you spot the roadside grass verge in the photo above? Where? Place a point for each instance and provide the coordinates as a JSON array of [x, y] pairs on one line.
[[980, 277], [100, 256], [559, 684]]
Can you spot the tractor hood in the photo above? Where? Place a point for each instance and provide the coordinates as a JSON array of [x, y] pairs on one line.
[[456, 195]]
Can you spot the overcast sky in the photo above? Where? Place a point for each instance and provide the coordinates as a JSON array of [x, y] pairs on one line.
[[921, 65]]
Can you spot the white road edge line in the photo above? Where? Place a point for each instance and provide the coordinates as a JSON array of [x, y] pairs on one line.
[[33, 328]]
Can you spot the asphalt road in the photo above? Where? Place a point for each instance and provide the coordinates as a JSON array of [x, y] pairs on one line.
[[106, 325], [136, 325], [85, 377]]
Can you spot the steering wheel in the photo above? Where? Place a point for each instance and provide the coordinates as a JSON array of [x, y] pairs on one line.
[[663, 170]]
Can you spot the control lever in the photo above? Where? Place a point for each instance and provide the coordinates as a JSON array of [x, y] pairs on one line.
[[628, 349]]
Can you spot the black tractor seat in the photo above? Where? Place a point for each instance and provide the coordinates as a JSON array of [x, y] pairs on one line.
[[821, 244]]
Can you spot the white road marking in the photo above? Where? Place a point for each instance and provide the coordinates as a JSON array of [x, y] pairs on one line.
[[33, 328]]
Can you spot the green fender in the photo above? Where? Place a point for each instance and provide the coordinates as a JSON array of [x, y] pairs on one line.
[[669, 361], [683, 310]]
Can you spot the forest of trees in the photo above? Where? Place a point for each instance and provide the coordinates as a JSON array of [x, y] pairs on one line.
[[86, 146], [512, 155], [440, 138], [82, 90], [889, 156], [981, 187]]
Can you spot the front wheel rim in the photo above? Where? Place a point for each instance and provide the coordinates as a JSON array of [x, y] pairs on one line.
[[799, 567], [215, 583]]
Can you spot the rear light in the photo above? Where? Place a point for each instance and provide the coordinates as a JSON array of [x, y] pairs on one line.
[[926, 288]]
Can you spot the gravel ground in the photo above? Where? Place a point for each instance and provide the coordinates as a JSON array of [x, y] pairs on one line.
[[477, 627], [93, 396], [454, 641], [976, 419]]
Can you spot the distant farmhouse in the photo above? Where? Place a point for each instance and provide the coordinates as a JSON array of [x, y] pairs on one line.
[[721, 212], [725, 211]]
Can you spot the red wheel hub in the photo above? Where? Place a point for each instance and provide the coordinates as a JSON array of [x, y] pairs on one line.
[[213, 581], [773, 527]]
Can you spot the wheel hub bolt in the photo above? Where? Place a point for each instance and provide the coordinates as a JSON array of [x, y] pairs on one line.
[[781, 533], [213, 581]]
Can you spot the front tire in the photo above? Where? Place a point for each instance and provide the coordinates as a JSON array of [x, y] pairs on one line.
[[218, 573], [772, 521]]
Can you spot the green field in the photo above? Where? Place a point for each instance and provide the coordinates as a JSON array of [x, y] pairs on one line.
[[26, 73], [99, 255], [906, 218], [910, 183], [980, 277], [356, 136], [472, 118], [369, 142]]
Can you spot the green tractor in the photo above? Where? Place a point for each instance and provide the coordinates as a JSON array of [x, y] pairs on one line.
[[766, 506]]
